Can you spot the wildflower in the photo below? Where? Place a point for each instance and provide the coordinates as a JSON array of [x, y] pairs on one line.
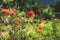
[[31, 13], [40, 32], [39, 29], [39, 11], [4, 11], [17, 23], [13, 13]]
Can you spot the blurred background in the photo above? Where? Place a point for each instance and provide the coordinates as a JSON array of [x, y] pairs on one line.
[[53, 3]]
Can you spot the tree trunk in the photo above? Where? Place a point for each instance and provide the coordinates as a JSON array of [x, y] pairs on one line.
[[15, 3]]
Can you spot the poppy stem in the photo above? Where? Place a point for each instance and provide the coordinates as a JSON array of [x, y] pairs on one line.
[[40, 17]]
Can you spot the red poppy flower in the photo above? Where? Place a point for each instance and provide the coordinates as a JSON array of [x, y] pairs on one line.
[[17, 23], [13, 13], [39, 11], [39, 27], [43, 18], [40, 32], [31, 13], [4, 11]]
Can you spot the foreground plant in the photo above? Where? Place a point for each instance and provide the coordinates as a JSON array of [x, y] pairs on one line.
[[24, 26]]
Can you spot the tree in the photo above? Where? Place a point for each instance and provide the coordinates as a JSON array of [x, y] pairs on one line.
[[57, 7]]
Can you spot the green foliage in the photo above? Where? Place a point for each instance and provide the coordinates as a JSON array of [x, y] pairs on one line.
[[7, 1], [48, 13]]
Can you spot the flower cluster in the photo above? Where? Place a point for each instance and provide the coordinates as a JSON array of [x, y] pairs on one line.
[[30, 14], [5, 11], [39, 29]]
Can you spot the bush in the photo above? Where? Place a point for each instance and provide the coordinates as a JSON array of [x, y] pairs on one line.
[[34, 24]]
